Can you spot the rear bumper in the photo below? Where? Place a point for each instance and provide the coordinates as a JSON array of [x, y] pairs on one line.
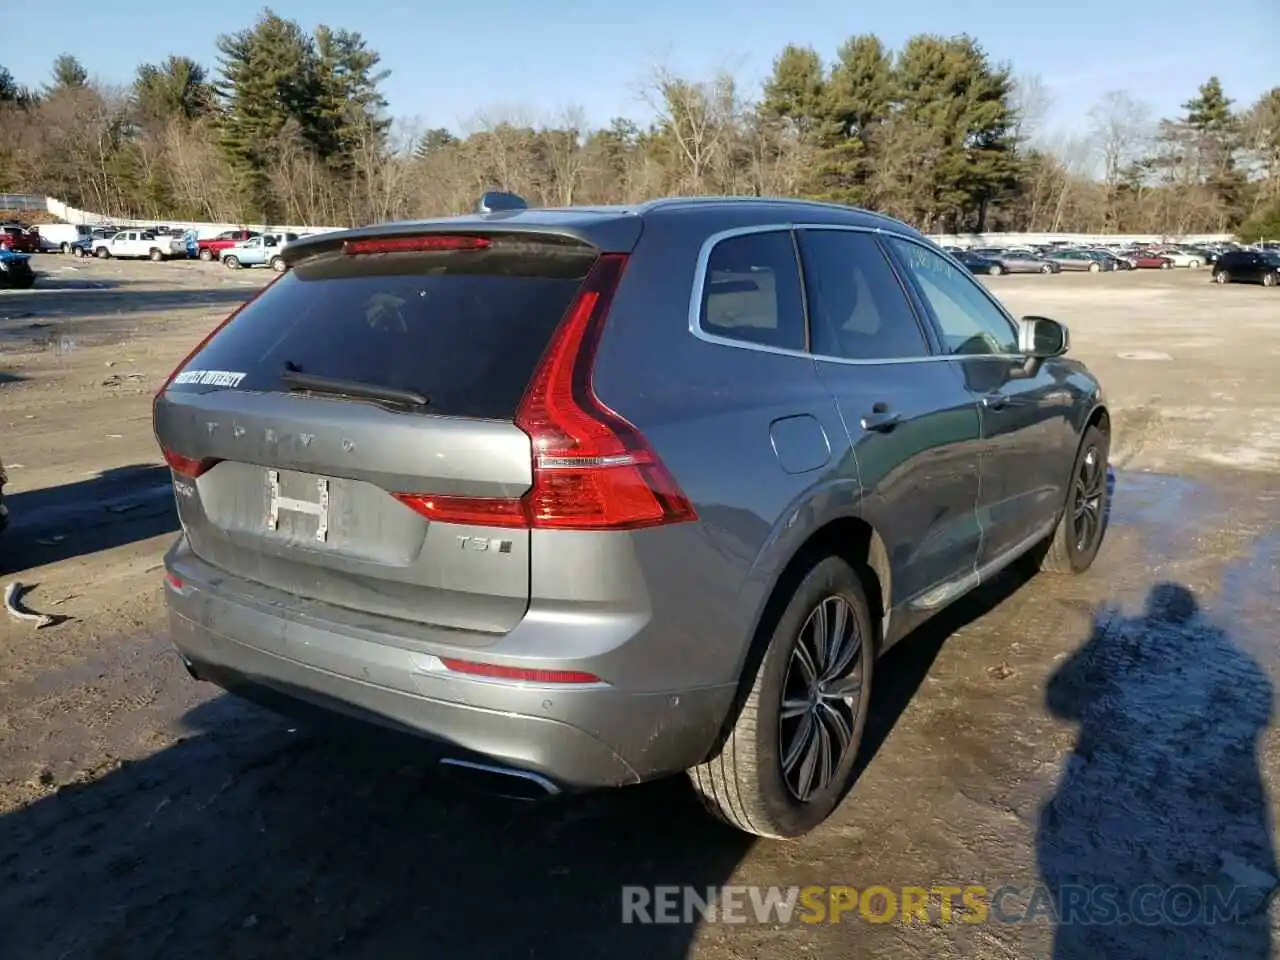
[[576, 736]]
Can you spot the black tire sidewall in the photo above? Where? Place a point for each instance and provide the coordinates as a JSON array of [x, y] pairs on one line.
[[790, 817], [1093, 438]]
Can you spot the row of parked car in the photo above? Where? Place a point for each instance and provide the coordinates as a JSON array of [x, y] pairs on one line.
[[234, 248], [1230, 262]]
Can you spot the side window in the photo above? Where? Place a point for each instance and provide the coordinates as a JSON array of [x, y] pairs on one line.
[[751, 291], [970, 323], [857, 308]]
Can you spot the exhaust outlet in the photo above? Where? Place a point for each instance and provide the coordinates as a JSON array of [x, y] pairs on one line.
[[500, 781]]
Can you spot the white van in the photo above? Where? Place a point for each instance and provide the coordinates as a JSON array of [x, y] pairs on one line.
[[58, 237]]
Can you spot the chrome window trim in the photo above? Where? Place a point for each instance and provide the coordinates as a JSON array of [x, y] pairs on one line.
[[700, 279]]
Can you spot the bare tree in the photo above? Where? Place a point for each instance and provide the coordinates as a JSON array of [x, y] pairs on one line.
[[1032, 100], [698, 119], [1122, 134]]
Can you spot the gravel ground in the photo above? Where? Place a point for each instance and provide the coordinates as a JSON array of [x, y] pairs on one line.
[[1113, 732]]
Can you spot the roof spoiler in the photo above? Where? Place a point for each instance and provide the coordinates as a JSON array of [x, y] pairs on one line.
[[493, 201]]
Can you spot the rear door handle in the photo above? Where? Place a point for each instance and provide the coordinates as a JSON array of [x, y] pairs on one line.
[[881, 421], [995, 401]]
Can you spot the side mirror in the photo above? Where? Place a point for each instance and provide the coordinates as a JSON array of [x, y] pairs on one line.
[[1042, 338], [1039, 339]]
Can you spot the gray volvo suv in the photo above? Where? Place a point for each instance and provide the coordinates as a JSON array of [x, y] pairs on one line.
[[590, 496]]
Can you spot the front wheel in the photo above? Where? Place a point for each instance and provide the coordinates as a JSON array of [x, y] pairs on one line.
[[1046, 269], [231, 263], [102, 253], [1193, 264], [1221, 276], [206, 255], [156, 255], [1166, 265], [1268, 279], [1095, 267], [995, 270], [278, 264], [65, 247], [1075, 541], [789, 758], [79, 252]]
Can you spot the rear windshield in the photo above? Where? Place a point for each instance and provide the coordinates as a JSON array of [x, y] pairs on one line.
[[466, 329]]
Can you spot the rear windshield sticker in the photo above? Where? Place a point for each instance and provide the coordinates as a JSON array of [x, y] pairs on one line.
[[210, 378]]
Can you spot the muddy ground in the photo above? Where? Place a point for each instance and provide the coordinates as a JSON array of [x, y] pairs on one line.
[[1116, 729]]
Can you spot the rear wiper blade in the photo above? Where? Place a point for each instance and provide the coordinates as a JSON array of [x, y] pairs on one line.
[[339, 387]]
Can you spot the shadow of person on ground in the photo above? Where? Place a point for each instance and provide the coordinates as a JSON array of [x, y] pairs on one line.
[[118, 506], [1158, 841]]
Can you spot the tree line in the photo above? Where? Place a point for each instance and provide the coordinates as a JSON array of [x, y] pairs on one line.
[[292, 127]]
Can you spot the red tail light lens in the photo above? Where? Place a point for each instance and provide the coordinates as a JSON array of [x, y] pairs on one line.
[[518, 673], [189, 467], [592, 470], [431, 244]]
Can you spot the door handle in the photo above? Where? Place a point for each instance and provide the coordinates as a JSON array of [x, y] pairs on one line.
[[995, 401], [881, 421]]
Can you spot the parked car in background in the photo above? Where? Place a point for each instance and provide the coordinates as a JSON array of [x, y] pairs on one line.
[[264, 251], [1248, 266], [137, 244], [83, 247], [1020, 261], [58, 237], [1181, 258], [1077, 260], [980, 264], [1109, 260], [475, 477], [15, 270], [212, 247], [1146, 260], [19, 239]]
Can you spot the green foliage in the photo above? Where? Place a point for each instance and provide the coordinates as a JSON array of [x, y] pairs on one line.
[[1263, 225], [68, 74]]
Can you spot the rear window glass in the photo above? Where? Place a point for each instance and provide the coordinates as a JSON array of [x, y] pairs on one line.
[[466, 329], [752, 291]]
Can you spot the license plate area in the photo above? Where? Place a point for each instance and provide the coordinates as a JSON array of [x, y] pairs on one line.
[[305, 496]]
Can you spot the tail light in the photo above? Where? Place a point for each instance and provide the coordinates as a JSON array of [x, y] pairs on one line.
[[592, 469], [431, 244], [189, 467]]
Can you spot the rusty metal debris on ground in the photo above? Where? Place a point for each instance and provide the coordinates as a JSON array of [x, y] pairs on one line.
[[13, 603]]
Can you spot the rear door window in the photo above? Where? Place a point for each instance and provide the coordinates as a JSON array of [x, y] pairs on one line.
[[464, 328], [857, 307]]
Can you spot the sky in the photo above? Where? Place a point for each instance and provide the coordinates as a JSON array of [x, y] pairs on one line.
[[451, 62]]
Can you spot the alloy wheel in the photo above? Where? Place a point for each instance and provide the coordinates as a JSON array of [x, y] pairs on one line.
[[1086, 501], [821, 696]]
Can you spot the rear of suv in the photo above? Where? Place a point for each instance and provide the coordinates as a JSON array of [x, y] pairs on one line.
[[593, 496]]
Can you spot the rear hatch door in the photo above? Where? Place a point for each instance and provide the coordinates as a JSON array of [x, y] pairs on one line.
[[302, 414]]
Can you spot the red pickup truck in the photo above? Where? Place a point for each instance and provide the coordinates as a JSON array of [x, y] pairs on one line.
[[18, 239], [211, 249]]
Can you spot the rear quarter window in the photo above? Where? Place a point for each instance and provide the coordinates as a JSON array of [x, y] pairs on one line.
[[751, 292]]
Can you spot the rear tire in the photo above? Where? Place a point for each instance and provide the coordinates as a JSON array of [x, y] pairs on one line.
[[751, 783], [1046, 269], [206, 255], [1073, 545], [278, 264], [65, 247], [1095, 267], [102, 253], [1221, 276], [231, 263], [1193, 264], [995, 270], [1269, 279], [156, 255]]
